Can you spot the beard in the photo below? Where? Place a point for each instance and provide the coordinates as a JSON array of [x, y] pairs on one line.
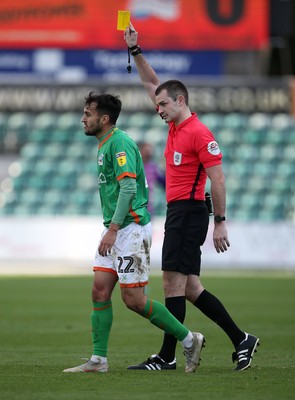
[[95, 131], [90, 133]]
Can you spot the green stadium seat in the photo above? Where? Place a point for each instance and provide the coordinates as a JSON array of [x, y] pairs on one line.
[[259, 121], [240, 170], [38, 182], [39, 136], [139, 120], [281, 186], [53, 196], [45, 121], [213, 121], [31, 196], [252, 136], [68, 121], [156, 136], [247, 153], [156, 121], [123, 121], [227, 137], [249, 200], [32, 150], [276, 137], [288, 153], [136, 133], [79, 151], [264, 169], [60, 136], [53, 150], [270, 152], [44, 167], [234, 121], [257, 184], [282, 122]]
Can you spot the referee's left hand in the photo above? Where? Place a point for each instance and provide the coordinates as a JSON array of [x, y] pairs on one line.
[[220, 238]]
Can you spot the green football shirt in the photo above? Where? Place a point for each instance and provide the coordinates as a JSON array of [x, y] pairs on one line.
[[119, 157]]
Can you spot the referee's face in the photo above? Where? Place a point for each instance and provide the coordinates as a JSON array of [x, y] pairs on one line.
[[168, 109], [92, 121]]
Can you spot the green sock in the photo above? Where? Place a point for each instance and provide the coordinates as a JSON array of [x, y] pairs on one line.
[[101, 320], [160, 316]]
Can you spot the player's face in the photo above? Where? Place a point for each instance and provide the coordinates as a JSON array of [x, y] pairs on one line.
[[92, 121], [167, 108]]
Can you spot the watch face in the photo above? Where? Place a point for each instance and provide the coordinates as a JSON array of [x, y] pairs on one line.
[[218, 218]]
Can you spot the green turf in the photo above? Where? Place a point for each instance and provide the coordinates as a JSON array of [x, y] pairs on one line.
[[45, 327]]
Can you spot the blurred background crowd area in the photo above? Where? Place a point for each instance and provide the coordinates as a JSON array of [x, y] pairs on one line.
[[236, 57]]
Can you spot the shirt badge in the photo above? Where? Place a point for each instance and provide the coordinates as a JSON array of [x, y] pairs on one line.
[[177, 158], [121, 158], [213, 148], [100, 159]]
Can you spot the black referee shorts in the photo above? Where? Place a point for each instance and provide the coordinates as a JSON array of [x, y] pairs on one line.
[[186, 228]]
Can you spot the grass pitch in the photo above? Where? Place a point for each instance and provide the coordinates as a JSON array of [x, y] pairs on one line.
[[45, 327]]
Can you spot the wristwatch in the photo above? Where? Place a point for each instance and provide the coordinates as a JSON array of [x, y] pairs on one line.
[[219, 218]]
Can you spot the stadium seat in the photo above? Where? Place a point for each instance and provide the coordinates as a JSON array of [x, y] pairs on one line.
[[68, 121], [53, 150], [32, 150], [252, 136], [282, 122], [136, 133], [259, 121], [234, 121], [44, 121], [276, 137], [156, 136], [214, 121], [227, 137], [270, 152], [156, 121], [139, 120], [247, 153]]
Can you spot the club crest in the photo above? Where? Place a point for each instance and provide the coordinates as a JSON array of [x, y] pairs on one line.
[[100, 159]]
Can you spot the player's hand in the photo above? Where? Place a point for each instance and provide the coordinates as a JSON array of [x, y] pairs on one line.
[[220, 238], [130, 35], [107, 243]]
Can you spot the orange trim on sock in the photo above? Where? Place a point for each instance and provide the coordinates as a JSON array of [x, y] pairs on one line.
[[102, 308], [150, 310], [129, 285], [110, 270]]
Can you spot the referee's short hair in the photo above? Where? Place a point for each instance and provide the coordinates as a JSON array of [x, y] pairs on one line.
[[174, 89]]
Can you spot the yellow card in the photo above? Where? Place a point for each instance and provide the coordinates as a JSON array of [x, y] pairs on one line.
[[123, 20]]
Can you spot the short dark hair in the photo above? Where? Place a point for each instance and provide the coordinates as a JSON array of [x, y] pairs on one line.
[[174, 89], [105, 104]]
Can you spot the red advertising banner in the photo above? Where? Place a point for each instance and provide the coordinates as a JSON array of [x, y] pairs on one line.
[[162, 24]]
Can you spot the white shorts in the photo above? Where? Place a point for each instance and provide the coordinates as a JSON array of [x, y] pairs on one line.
[[130, 255]]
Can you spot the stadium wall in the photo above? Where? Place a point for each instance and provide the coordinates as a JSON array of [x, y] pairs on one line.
[[72, 242]]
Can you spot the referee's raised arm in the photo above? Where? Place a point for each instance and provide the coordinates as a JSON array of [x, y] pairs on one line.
[[147, 75]]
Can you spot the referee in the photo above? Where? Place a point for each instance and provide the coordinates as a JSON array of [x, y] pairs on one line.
[[191, 155]]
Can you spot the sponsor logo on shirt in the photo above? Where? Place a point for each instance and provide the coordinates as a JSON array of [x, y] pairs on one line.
[[101, 179], [177, 158], [213, 148], [121, 158]]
